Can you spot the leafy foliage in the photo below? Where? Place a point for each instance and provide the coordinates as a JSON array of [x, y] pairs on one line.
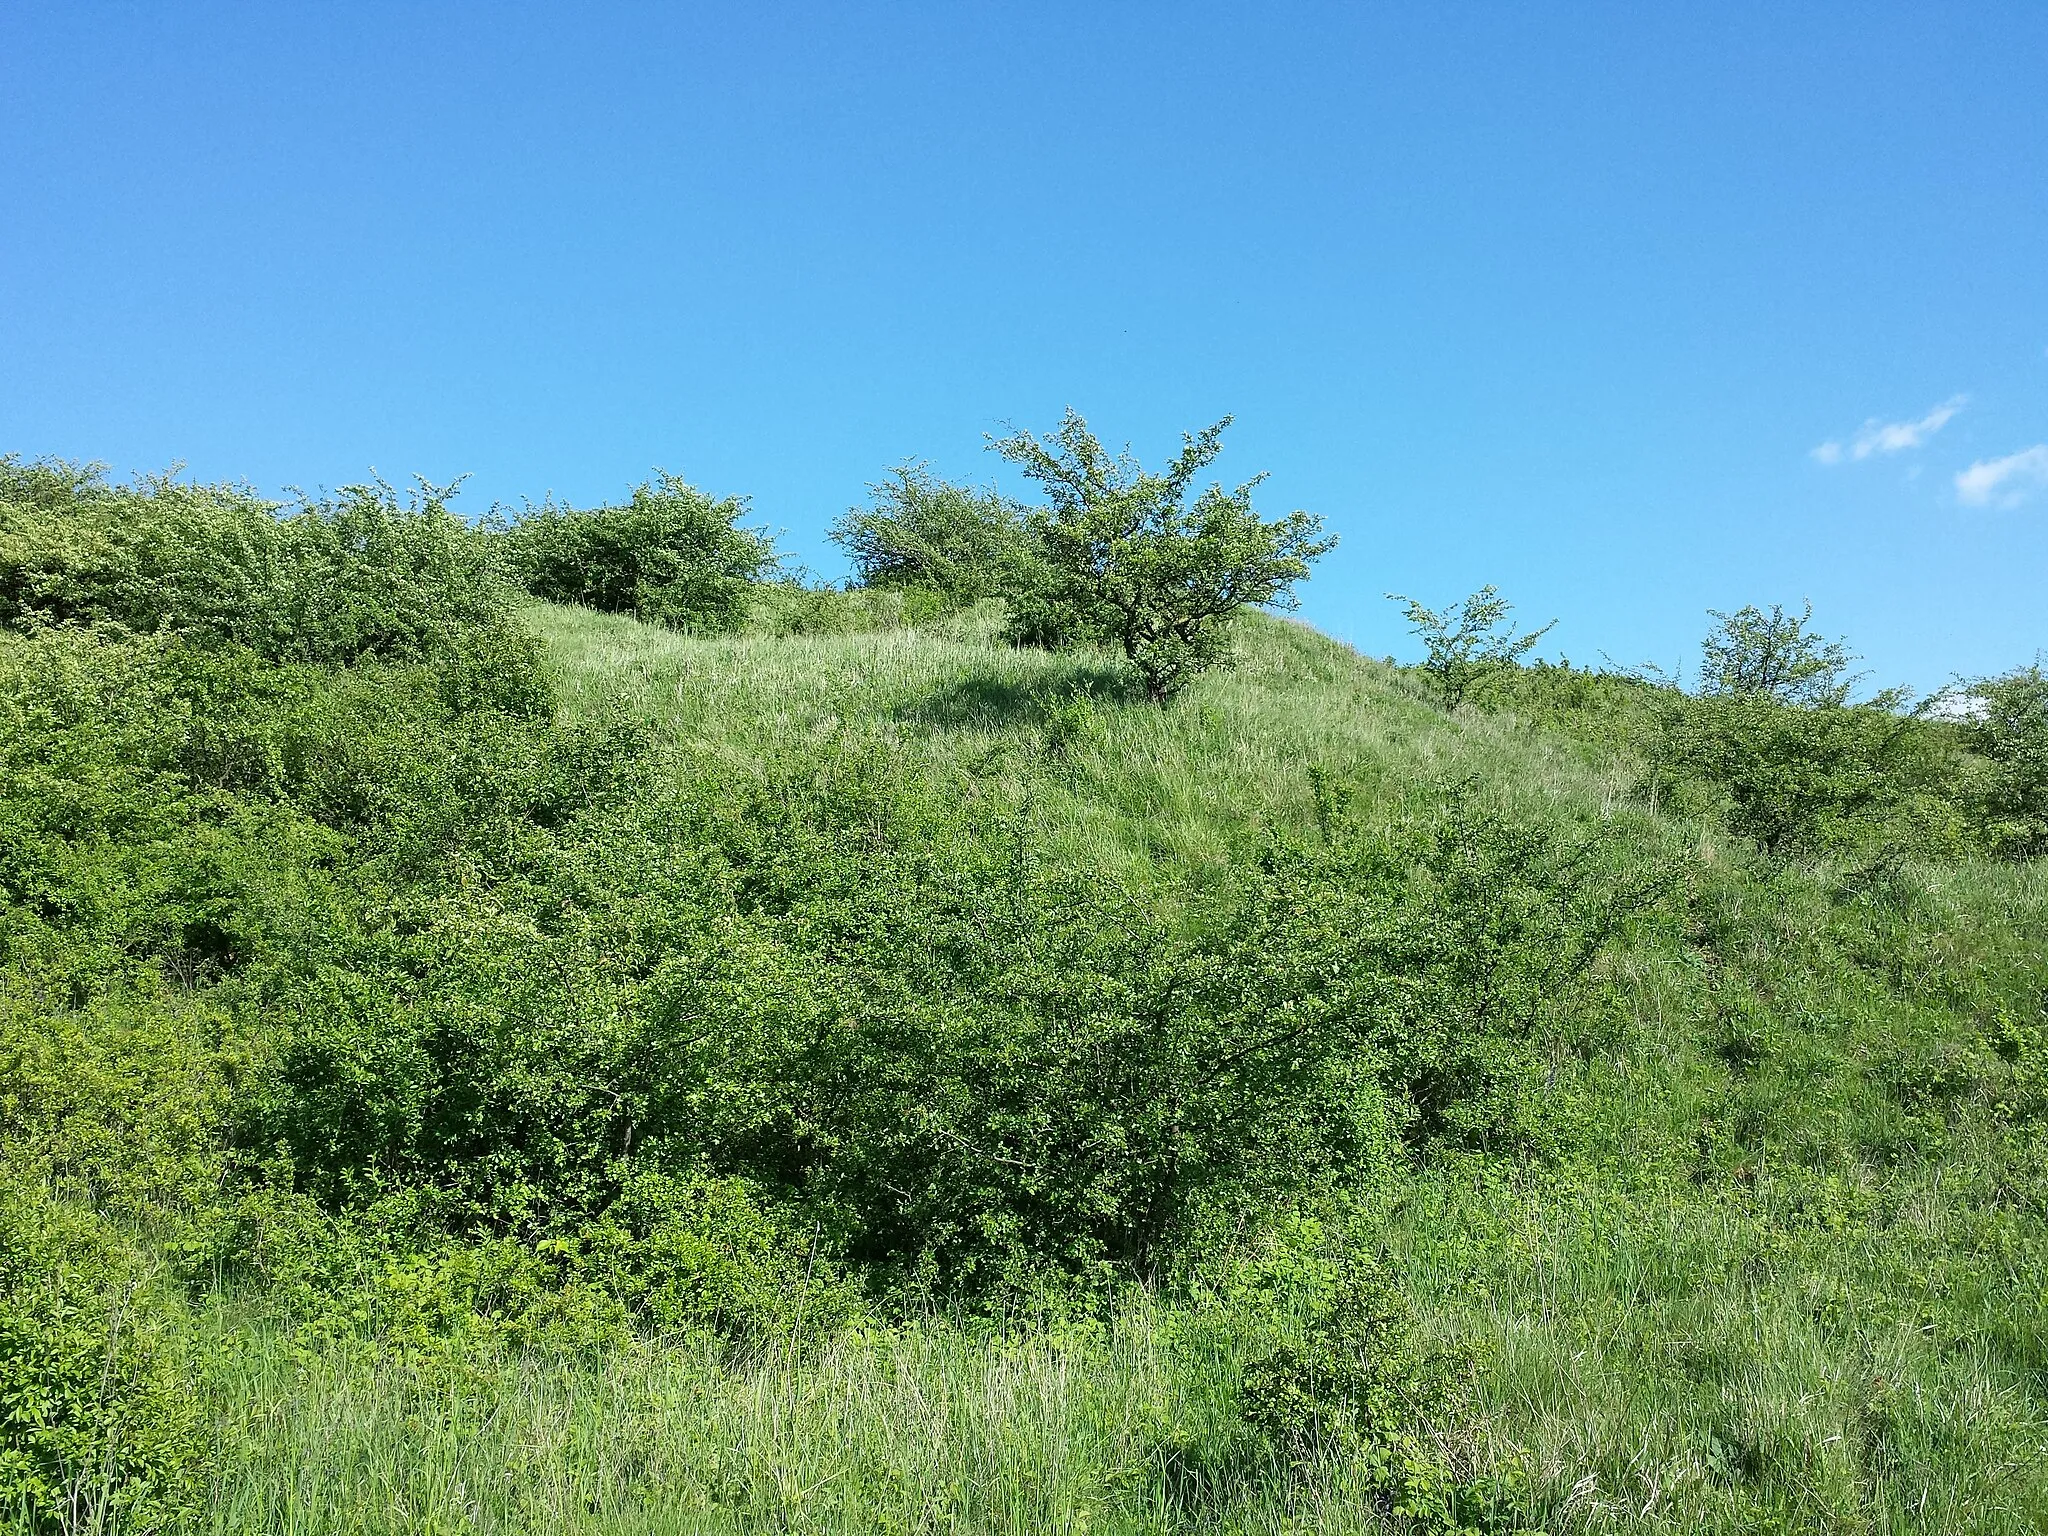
[[1129, 562], [1468, 642], [1774, 656], [1797, 769], [98, 1427], [360, 1010], [672, 555], [918, 531], [356, 575], [2011, 734], [1351, 1386], [1808, 779]]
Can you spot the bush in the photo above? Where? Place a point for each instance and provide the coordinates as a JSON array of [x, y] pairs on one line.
[[961, 542], [852, 987], [358, 575], [672, 555], [2011, 734], [1774, 656], [1352, 1388], [1465, 938], [1336, 1387], [1788, 762], [1127, 562], [1801, 780], [1468, 642], [688, 1252], [998, 1069], [99, 1429]]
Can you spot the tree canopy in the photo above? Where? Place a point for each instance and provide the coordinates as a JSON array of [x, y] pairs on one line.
[[1774, 654], [1131, 559], [1468, 641]]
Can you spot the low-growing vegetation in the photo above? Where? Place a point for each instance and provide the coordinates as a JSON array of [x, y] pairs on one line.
[[554, 1024]]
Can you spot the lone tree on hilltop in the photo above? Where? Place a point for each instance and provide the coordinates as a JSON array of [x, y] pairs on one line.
[[1127, 559], [1774, 655], [1468, 641]]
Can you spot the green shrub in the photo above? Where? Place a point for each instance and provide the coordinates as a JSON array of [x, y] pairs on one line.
[[356, 575], [1469, 642], [961, 542], [2011, 735], [1789, 763], [684, 1251], [1465, 939], [1612, 717], [1334, 1384], [1807, 779], [99, 1428], [672, 555], [1125, 560], [1750, 653]]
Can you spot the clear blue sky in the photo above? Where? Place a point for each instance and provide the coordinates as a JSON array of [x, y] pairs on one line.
[[1560, 297]]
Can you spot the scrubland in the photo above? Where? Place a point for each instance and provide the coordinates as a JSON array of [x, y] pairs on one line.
[[476, 1064]]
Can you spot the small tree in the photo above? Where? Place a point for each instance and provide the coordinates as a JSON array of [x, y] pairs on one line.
[[2010, 730], [1128, 560], [918, 530], [1775, 655], [1469, 641], [1801, 770]]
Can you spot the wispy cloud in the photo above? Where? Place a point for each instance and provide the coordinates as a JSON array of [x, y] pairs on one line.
[[1891, 436], [2004, 482]]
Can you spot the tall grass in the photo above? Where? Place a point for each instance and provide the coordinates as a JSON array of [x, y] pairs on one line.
[[923, 1427], [1146, 792]]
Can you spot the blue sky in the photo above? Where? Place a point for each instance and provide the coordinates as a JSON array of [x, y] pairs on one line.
[[1570, 298]]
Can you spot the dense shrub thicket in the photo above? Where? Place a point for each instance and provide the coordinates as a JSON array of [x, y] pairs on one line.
[[358, 574], [964, 543], [507, 965], [2007, 726]]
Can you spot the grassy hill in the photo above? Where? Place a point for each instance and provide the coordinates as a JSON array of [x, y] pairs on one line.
[[1787, 1271], [1783, 1273], [633, 1085]]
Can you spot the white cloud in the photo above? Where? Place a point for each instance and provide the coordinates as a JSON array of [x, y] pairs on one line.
[[2004, 482], [1958, 706], [1891, 436]]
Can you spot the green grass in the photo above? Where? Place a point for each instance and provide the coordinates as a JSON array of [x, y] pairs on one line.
[[915, 1428], [923, 1427], [1147, 794]]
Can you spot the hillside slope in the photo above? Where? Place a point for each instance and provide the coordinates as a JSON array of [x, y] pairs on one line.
[[357, 1028], [1149, 793], [1786, 1268]]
